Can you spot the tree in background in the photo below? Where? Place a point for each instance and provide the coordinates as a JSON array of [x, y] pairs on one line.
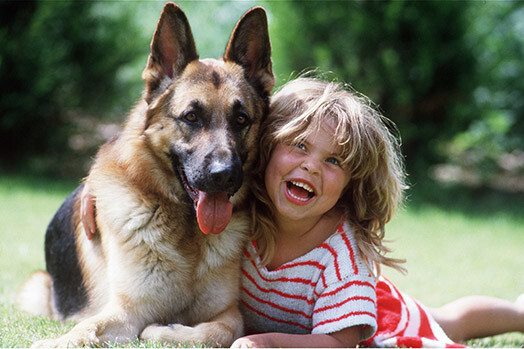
[[411, 58], [448, 73], [58, 60], [493, 142]]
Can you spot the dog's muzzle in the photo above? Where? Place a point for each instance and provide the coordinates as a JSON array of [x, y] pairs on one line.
[[223, 176], [210, 192]]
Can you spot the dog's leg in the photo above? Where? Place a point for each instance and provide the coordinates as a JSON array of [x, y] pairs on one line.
[[115, 326], [220, 331]]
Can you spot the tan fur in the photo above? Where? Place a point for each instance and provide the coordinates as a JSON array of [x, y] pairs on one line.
[[35, 295], [150, 265]]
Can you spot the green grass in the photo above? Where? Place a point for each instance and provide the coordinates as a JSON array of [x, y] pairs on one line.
[[460, 246], [27, 205], [461, 242], [457, 242]]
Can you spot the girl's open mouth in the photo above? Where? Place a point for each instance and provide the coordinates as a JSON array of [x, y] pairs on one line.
[[299, 193]]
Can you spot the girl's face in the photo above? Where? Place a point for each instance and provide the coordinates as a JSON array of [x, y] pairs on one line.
[[305, 181]]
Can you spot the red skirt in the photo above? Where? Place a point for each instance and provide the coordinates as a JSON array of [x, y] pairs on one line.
[[404, 322]]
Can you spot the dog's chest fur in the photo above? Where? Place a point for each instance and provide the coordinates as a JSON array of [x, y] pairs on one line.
[[153, 239]]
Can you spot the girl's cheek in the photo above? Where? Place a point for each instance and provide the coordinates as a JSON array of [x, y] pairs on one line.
[[290, 156]]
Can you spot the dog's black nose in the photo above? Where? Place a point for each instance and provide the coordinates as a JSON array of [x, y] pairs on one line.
[[225, 176]]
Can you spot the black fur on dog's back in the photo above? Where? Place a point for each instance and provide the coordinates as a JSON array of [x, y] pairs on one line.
[[70, 294]]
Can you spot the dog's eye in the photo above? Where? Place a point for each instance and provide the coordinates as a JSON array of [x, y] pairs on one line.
[[190, 116], [241, 119]]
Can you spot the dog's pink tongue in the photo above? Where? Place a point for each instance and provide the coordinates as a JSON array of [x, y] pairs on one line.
[[213, 212]]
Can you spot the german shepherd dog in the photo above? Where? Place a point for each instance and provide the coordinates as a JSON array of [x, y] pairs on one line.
[[178, 171]]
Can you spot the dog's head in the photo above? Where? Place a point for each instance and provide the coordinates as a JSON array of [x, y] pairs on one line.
[[203, 115]]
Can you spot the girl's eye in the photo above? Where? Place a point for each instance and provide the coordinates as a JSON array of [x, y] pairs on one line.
[[301, 146], [333, 161]]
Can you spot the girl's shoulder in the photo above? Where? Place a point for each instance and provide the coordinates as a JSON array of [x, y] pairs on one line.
[[344, 260], [337, 257]]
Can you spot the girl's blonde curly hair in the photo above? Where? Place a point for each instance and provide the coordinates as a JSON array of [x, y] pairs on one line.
[[371, 156]]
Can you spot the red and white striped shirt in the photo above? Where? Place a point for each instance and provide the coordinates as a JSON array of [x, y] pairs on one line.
[[404, 322], [324, 291]]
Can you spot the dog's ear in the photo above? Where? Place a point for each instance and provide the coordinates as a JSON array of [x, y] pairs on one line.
[[172, 48], [249, 47]]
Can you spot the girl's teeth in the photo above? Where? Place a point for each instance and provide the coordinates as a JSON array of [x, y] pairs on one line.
[[303, 185], [298, 198]]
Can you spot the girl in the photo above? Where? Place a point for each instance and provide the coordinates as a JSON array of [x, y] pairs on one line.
[[333, 178], [330, 178]]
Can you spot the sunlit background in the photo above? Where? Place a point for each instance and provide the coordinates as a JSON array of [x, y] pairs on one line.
[[450, 74]]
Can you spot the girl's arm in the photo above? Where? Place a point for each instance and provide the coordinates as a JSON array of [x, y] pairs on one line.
[[346, 338], [87, 212]]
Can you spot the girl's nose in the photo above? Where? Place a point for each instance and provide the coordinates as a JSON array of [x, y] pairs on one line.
[[310, 165]]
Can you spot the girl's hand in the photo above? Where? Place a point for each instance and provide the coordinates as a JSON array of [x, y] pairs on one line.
[[87, 212], [345, 338], [253, 341]]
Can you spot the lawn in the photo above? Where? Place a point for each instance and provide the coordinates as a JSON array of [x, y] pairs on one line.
[[457, 242]]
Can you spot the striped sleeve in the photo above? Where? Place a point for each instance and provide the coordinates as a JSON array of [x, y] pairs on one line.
[[347, 296]]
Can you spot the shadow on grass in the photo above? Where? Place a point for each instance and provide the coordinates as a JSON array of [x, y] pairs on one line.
[[473, 202]]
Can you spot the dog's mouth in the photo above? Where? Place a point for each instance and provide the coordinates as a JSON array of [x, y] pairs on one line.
[[213, 209]]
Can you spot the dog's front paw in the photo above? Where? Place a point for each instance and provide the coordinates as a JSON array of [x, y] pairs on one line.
[[208, 334], [44, 343], [150, 332], [70, 340], [156, 332], [173, 333]]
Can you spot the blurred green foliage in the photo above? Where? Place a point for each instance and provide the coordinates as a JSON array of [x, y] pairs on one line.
[[438, 69], [58, 59], [496, 37], [448, 73]]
